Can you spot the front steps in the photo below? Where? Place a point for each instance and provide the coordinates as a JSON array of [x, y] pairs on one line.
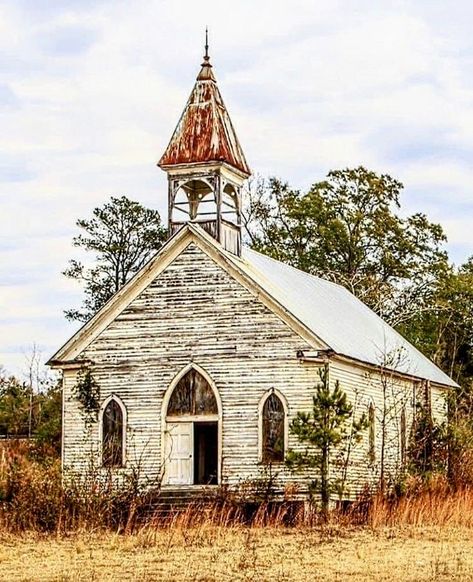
[[209, 503], [168, 502]]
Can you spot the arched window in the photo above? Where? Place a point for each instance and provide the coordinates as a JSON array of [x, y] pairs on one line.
[[192, 395], [372, 433], [113, 426], [273, 430]]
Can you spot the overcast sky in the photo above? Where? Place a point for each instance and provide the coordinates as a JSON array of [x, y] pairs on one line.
[[90, 92]]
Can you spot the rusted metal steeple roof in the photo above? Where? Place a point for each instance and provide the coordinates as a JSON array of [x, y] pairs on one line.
[[205, 132]]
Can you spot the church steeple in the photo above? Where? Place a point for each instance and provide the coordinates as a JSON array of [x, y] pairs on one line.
[[205, 164]]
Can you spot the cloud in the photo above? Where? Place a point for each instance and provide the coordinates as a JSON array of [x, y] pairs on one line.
[[7, 96], [67, 41], [13, 169], [91, 91]]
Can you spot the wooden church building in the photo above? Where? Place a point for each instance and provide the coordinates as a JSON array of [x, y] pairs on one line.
[[201, 360]]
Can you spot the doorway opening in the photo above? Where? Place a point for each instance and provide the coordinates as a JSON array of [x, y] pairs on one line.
[[191, 434], [205, 453]]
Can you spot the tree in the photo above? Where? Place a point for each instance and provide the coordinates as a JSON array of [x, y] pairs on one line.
[[325, 431], [14, 406], [347, 229], [122, 235], [390, 411], [429, 443], [37, 414], [445, 333]]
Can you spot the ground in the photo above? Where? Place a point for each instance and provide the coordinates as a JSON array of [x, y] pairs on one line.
[[209, 553]]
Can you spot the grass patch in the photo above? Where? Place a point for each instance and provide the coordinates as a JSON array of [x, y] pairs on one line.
[[242, 553]]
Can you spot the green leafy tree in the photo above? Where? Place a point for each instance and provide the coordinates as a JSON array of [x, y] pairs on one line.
[[445, 333], [326, 432], [347, 228], [14, 406], [48, 417], [429, 444], [36, 414], [122, 236]]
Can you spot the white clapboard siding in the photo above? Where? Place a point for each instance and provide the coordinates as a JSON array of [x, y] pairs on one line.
[[365, 386], [194, 311], [439, 403]]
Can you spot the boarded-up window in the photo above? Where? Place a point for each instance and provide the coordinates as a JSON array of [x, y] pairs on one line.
[[403, 435], [192, 395], [112, 435], [372, 433], [273, 430]]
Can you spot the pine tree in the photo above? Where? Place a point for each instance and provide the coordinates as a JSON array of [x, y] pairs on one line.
[[325, 431], [121, 236]]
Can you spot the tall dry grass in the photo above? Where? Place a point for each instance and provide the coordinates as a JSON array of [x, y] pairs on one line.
[[433, 506], [32, 498]]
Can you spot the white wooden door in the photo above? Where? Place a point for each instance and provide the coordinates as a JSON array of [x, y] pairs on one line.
[[179, 453]]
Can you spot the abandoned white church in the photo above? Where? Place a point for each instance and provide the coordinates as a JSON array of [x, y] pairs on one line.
[[205, 356]]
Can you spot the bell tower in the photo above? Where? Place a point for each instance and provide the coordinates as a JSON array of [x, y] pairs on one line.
[[205, 165]]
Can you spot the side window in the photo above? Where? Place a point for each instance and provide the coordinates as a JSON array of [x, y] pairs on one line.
[[403, 435], [273, 430], [113, 445], [372, 433]]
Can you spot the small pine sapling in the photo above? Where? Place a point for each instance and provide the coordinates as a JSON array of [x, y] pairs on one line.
[[325, 432]]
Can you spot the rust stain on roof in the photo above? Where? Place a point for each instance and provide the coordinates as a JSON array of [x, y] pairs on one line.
[[205, 132]]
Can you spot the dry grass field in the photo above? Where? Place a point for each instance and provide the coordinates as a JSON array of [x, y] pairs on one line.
[[50, 534], [209, 553]]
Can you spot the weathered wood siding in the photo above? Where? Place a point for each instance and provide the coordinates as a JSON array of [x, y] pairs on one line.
[[195, 312], [439, 403], [389, 394]]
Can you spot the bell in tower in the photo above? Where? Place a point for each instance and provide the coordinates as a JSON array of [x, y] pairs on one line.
[[206, 166]]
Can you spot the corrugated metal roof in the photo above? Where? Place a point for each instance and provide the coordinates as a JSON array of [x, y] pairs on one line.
[[339, 318], [205, 132]]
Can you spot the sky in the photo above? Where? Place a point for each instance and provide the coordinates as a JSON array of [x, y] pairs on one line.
[[91, 90]]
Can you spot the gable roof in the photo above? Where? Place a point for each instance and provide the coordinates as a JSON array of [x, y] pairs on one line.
[[205, 132], [324, 313]]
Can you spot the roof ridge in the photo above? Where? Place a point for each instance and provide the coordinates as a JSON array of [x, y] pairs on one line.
[[318, 277]]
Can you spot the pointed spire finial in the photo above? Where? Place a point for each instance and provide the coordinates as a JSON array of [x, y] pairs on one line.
[[206, 56], [206, 71]]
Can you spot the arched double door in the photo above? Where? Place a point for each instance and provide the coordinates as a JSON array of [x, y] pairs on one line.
[[192, 431]]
